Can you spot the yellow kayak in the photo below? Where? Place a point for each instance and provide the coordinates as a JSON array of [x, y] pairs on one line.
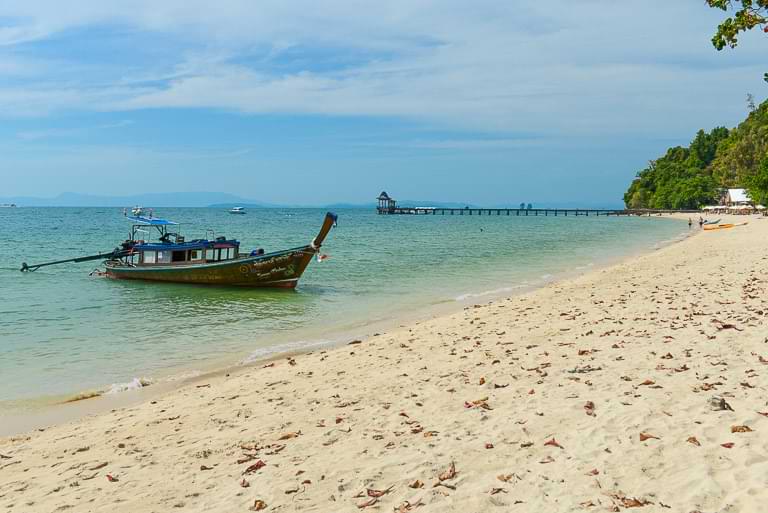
[[722, 226]]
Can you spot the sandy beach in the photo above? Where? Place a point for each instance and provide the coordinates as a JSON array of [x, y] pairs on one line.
[[637, 387]]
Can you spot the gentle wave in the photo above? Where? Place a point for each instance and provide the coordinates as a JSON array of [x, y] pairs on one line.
[[300, 345], [134, 384], [471, 295]]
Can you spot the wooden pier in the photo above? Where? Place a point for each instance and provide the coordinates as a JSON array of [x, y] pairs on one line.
[[388, 206], [440, 211]]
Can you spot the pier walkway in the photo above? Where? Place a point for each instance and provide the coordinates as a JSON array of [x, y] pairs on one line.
[[470, 211]]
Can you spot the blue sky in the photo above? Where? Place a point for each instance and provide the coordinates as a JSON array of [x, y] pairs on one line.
[[316, 102]]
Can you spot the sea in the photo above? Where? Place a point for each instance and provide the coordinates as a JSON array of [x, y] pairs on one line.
[[66, 332]]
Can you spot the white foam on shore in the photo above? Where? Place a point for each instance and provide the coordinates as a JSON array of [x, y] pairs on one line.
[[299, 345], [135, 384], [472, 295]]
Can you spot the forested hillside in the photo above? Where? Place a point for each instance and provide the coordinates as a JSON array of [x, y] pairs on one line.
[[693, 176]]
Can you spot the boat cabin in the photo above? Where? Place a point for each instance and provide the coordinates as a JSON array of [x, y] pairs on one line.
[[173, 249]]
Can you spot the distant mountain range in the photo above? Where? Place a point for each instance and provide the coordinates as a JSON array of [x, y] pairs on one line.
[[159, 199], [226, 200]]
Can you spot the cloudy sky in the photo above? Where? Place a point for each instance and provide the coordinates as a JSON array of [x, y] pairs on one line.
[[315, 102]]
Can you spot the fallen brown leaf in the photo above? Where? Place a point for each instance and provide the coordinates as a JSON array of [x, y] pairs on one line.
[[378, 493], [258, 505], [288, 436], [741, 429], [416, 484], [694, 441], [553, 443], [646, 436], [367, 503], [253, 468], [408, 506], [450, 473], [631, 502]]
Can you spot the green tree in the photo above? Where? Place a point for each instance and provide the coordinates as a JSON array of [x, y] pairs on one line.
[[682, 178], [757, 184], [746, 15]]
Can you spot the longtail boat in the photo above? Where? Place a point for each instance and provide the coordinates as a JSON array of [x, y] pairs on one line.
[[210, 262]]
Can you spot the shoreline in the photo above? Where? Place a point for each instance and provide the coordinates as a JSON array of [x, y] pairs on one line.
[[641, 384], [90, 402]]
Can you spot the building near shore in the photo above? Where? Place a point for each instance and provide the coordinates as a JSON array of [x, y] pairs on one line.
[[736, 198]]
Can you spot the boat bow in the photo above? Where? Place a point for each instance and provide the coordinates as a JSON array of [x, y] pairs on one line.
[[328, 223]]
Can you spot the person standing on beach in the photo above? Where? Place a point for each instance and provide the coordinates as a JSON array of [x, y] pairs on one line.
[[690, 223], [701, 222]]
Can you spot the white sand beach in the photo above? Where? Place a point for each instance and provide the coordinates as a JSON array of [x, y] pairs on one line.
[[642, 385]]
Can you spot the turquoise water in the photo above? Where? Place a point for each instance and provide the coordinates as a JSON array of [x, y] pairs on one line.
[[63, 332]]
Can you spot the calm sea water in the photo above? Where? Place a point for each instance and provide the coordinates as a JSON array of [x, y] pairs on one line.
[[63, 332]]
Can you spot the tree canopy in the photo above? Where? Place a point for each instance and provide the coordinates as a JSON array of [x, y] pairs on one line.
[[693, 176]]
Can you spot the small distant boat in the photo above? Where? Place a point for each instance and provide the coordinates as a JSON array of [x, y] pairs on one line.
[[712, 222], [7, 205], [207, 262], [237, 210], [137, 211]]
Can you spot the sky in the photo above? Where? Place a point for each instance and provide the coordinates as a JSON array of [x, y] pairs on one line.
[[308, 102]]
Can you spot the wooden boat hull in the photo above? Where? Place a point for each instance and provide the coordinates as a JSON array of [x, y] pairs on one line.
[[279, 270]]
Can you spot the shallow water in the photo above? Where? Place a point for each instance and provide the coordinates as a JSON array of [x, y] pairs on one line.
[[62, 332]]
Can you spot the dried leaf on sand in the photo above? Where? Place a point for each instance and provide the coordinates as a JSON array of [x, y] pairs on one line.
[[258, 505], [253, 468], [552, 442], [378, 493], [450, 473]]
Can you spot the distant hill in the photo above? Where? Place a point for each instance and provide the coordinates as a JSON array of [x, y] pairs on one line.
[[157, 199], [693, 175]]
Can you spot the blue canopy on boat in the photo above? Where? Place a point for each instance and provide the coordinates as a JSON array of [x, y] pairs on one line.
[[151, 221]]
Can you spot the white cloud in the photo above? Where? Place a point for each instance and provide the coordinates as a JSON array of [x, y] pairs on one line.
[[594, 66]]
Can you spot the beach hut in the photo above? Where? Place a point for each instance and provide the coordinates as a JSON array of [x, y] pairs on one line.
[[736, 198]]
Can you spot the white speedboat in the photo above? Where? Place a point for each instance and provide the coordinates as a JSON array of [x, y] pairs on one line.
[[237, 210], [137, 211]]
